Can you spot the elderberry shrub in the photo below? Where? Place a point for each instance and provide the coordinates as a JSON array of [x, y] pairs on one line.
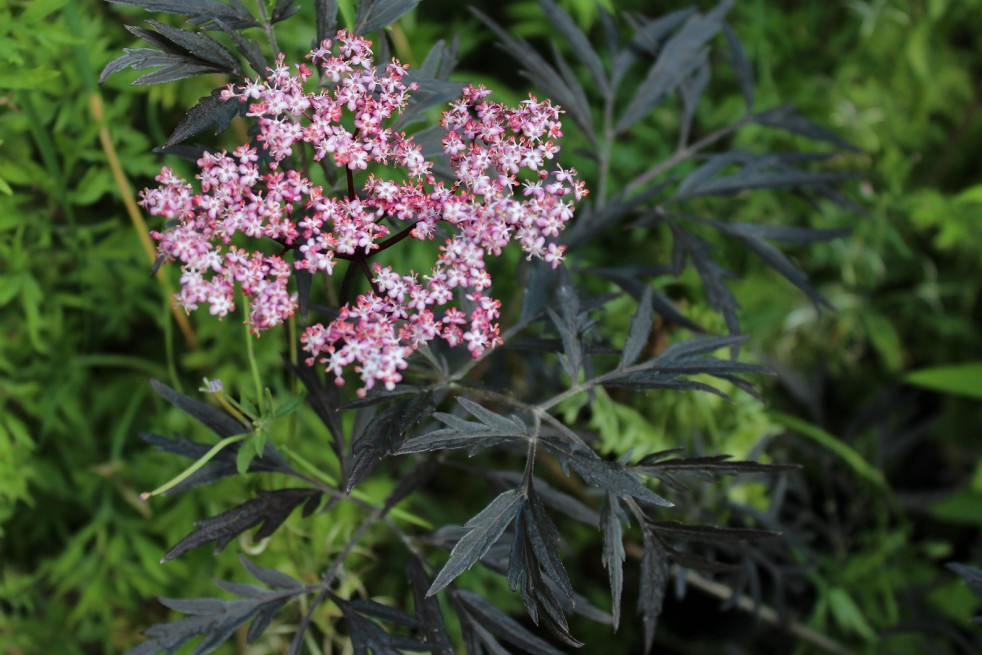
[[332, 179]]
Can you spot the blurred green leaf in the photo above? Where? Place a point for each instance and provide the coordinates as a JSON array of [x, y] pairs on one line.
[[33, 78], [960, 379], [833, 444], [963, 507], [848, 615]]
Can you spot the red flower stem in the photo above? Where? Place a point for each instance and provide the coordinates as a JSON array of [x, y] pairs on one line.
[[393, 240], [363, 265], [349, 275]]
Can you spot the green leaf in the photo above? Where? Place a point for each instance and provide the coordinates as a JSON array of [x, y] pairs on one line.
[[960, 379], [848, 615], [972, 194], [243, 457], [289, 406], [884, 339], [38, 10], [961, 507], [830, 442], [33, 78]]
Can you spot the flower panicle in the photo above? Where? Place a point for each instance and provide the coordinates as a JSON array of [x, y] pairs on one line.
[[504, 190]]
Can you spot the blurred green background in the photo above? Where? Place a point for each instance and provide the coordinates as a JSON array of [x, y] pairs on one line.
[[882, 399]]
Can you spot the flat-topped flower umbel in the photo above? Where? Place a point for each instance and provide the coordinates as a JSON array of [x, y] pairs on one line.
[[501, 192]]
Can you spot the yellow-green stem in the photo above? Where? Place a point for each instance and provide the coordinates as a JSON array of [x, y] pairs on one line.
[[189, 471]]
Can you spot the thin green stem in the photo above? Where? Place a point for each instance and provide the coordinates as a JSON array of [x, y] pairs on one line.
[[363, 499], [189, 471], [253, 366]]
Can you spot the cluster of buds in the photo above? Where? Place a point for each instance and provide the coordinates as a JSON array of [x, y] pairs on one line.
[[502, 191]]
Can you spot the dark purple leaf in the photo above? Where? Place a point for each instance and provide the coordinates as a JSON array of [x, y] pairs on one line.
[[271, 509], [611, 522], [651, 592], [326, 12], [483, 613], [483, 530], [218, 421], [211, 111], [375, 14], [637, 337], [429, 618]]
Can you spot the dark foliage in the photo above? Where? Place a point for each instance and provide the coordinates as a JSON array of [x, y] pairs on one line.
[[515, 535]]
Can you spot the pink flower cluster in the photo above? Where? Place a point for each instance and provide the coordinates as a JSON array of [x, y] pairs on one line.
[[502, 192]]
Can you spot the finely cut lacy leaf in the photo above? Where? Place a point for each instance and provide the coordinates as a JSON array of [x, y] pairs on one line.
[[483, 530], [218, 421], [713, 275], [535, 566], [216, 619], [383, 435], [434, 87], [651, 592], [541, 73], [325, 400], [627, 278], [786, 118], [429, 618], [612, 519], [284, 9], [271, 509], [198, 45], [773, 258], [476, 614], [681, 55], [492, 430], [211, 111], [637, 337], [578, 42], [375, 14], [367, 636], [709, 533], [199, 12], [741, 65], [611, 477], [690, 92], [669, 369], [552, 497], [326, 12], [181, 54]]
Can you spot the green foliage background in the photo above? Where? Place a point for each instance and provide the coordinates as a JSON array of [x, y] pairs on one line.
[[894, 469]]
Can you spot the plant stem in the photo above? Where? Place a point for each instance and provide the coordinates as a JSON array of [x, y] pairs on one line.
[[608, 142], [681, 155], [268, 28], [251, 354], [766, 614], [204, 459]]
